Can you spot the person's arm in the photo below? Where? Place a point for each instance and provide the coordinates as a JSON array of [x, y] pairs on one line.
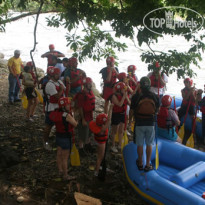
[[11, 67], [71, 120], [117, 102], [109, 76], [45, 55], [161, 79]]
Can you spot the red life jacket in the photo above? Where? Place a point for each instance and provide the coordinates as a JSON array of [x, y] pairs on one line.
[[123, 108], [155, 82], [74, 74], [62, 126], [89, 101], [191, 99], [52, 98], [162, 118], [131, 83], [100, 138], [112, 80]]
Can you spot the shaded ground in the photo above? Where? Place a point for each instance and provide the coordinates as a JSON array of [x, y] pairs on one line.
[[30, 171]]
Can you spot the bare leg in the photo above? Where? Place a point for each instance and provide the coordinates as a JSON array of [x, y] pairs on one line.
[[100, 155], [120, 133], [47, 131], [65, 155], [148, 153], [113, 133], [28, 110], [106, 106], [34, 104], [59, 159], [140, 153]]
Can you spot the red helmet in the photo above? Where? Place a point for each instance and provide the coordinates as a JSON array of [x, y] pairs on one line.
[[54, 71], [110, 59], [101, 119], [49, 72], [131, 68], [166, 100], [87, 80], [30, 64], [119, 86], [51, 47], [188, 80], [121, 76], [72, 62], [62, 102]]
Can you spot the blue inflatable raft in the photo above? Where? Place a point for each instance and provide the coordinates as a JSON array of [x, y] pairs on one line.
[[180, 178]]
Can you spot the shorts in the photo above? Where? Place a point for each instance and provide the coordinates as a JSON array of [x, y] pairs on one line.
[[30, 93], [168, 134], [63, 142], [47, 119], [84, 132], [183, 108], [144, 133], [117, 118], [107, 92]]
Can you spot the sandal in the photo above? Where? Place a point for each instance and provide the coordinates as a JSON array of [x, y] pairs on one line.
[[148, 168], [140, 167]]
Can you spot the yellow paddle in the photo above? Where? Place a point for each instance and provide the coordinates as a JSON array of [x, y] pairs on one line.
[[124, 140], [40, 98], [74, 156], [157, 152], [24, 101]]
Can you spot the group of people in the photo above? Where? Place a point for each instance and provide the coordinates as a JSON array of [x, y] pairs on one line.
[[69, 103]]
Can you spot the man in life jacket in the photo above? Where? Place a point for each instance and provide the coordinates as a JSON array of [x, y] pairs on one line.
[[120, 100], [158, 81], [85, 101], [64, 123], [167, 119], [52, 52], [109, 75], [73, 75], [144, 107], [132, 78], [54, 91], [99, 128]]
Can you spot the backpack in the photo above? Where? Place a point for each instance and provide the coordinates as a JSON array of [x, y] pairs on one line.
[[145, 108]]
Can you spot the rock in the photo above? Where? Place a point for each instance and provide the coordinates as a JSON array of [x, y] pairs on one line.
[[1, 55], [20, 199], [3, 63]]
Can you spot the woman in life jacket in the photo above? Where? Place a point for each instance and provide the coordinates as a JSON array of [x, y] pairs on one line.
[[64, 123], [99, 128], [132, 78], [167, 119], [120, 100], [109, 75]]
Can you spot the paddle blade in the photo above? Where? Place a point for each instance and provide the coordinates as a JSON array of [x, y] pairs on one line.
[[181, 132], [132, 126], [156, 158], [40, 98], [116, 138], [74, 156], [124, 140], [24, 101], [190, 141]]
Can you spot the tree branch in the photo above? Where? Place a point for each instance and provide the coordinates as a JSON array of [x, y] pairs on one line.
[[24, 15], [35, 28]]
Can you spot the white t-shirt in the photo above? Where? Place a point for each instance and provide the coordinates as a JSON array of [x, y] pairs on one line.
[[161, 90], [50, 91]]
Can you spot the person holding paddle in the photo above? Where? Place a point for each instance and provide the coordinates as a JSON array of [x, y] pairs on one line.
[[64, 121], [100, 129], [14, 65]]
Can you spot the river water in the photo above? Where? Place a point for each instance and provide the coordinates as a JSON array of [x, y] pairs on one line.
[[19, 35]]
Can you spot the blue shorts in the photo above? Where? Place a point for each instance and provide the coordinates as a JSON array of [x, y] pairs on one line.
[[168, 134], [144, 133], [47, 119], [64, 142]]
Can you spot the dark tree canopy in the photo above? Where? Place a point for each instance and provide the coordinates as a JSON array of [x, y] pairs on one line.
[[126, 19]]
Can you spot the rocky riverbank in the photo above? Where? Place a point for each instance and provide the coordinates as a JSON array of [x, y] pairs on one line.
[[28, 173]]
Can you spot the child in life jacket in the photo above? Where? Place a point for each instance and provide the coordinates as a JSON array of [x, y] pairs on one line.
[[85, 101], [120, 100], [132, 78], [167, 119], [64, 123], [29, 89], [100, 130], [109, 75]]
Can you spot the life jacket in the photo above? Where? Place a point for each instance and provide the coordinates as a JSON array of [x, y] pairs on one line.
[[89, 103], [100, 138], [203, 106], [191, 99], [162, 118], [155, 82], [145, 107], [74, 74], [131, 83], [53, 99], [123, 108], [105, 71]]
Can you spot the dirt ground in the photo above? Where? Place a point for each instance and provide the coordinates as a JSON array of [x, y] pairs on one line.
[[31, 174]]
